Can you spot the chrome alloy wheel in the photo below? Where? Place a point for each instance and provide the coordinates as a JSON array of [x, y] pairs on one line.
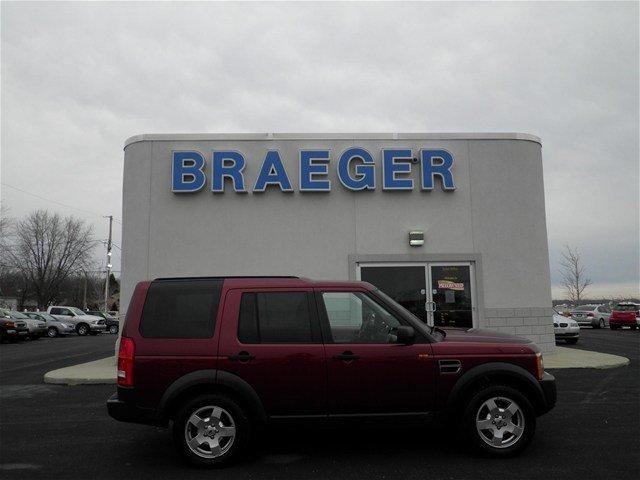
[[210, 431], [500, 422]]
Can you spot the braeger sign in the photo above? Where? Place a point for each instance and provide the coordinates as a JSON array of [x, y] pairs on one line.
[[355, 167]]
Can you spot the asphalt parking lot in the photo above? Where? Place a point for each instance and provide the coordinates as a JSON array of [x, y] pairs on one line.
[[50, 431]]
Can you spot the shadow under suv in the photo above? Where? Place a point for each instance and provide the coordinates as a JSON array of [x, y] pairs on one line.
[[215, 358]]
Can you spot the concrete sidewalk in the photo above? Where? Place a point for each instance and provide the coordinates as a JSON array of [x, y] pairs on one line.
[[575, 358], [104, 371], [97, 372]]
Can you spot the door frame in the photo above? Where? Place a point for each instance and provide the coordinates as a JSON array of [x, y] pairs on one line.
[[474, 261]]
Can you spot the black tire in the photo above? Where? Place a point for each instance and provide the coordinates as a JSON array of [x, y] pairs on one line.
[[571, 341], [113, 329], [82, 329], [476, 405], [52, 332], [238, 417]]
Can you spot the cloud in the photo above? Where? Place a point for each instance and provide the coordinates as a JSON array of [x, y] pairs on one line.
[[77, 79]]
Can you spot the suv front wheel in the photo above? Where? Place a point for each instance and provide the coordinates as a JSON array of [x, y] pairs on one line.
[[499, 420], [211, 430]]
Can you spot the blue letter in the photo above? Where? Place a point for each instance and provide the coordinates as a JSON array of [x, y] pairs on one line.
[[390, 168], [272, 172], [312, 163], [442, 169], [186, 172], [365, 174], [221, 169]]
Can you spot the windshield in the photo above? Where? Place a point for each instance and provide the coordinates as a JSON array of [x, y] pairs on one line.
[[77, 311], [46, 316], [18, 315]]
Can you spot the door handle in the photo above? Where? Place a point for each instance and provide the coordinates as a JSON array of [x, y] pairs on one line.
[[346, 356], [241, 357]]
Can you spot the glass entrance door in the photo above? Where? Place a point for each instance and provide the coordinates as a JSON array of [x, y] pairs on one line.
[[405, 284], [451, 295], [440, 294]]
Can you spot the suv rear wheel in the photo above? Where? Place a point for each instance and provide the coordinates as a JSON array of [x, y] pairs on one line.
[[499, 420], [211, 430]]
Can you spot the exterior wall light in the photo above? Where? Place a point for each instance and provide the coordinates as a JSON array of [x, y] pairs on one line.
[[416, 238]]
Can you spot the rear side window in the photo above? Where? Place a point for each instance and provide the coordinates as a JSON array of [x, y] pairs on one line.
[[181, 308], [275, 317]]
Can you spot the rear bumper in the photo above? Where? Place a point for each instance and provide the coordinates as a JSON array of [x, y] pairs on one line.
[[15, 332], [623, 322], [126, 412], [549, 392]]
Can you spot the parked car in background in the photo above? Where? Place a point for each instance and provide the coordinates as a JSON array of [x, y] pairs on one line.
[[84, 324], [54, 326], [111, 321], [565, 328], [11, 329], [625, 314], [596, 316], [36, 328]]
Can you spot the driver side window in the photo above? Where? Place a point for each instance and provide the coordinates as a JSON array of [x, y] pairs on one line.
[[356, 318]]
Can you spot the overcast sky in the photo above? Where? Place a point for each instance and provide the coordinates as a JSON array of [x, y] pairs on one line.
[[78, 79]]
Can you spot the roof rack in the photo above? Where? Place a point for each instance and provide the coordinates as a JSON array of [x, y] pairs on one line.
[[222, 277]]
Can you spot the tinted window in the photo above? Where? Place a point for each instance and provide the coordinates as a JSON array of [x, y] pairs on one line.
[[276, 317], [181, 308]]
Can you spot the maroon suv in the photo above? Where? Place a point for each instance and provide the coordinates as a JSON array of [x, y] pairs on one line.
[[217, 357]]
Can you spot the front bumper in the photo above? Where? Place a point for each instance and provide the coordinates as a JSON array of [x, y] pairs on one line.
[[97, 328], [37, 332], [568, 334], [549, 392]]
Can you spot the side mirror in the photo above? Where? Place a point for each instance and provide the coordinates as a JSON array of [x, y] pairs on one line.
[[405, 334]]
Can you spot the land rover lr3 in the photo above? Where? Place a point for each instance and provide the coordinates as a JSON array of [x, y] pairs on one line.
[[215, 358]]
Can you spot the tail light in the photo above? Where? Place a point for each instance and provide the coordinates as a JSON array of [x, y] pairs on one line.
[[539, 366], [126, 357], [589, 314]]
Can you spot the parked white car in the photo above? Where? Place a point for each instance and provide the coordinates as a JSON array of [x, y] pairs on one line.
[[54, 326], [565, 328], [84, 324], [596, 316]]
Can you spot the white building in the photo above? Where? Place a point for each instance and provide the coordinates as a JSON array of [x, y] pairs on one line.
[[346, 206]]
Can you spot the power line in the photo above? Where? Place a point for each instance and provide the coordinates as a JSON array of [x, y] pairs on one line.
[[56, 202]]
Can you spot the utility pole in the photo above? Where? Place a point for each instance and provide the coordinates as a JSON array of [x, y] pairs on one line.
[[84, 296], [106, 282]]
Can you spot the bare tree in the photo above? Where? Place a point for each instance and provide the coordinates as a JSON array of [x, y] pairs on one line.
[[48, 249], [5, 226], [574, 277]]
